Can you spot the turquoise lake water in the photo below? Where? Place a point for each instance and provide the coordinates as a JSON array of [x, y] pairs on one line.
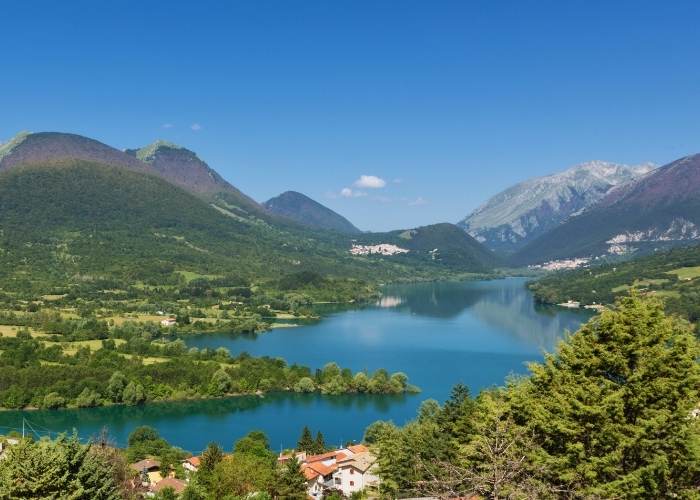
[[439, 334]]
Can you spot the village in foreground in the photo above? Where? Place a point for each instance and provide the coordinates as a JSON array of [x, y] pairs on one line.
[[346, 472]]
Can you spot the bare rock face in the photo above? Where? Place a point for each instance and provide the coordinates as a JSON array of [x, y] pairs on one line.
[[514, 217], [654, 212]]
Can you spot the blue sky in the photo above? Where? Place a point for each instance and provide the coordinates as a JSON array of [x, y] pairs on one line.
[[440, 104]]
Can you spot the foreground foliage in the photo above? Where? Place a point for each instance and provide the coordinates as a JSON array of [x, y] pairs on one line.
[[608, 416], [63, 468]]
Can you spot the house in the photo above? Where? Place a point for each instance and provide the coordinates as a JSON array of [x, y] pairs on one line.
[[178, 485], [356, 472], [349, 469], [149, 470], [168, 322], [192, 464], [319, 477]]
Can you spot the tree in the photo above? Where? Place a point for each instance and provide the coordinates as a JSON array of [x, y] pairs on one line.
[[116, 385], [87, 398], [305, 384], [291, 483], [254, 443], [221, 383], [456, 414], [53, 400], [134, 394], [319, 444], [145, 441], [306, 441], [63, 468], [611, 408], [241, 474], [211, 457]]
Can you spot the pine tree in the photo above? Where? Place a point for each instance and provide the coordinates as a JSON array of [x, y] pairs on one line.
[[292, 483], [611, 409], [56, 469], [306, 441], [319, 443]]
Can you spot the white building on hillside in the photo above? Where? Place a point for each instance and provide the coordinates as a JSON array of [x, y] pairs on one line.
[[356, 473]]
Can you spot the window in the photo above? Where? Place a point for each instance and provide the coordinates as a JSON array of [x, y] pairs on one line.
[[352, 471], [338, 480], [352, 483]]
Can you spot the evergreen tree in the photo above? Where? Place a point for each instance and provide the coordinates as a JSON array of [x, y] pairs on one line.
[[319, 443], [306, 441], [56, 469], [291, 484], [211, 457], [611, 410]]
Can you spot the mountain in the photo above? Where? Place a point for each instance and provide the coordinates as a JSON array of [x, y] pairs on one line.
[[659, 210], [173, 163], [443, 243], [46, 147], [304, 210], [184, 168], [514, 217]]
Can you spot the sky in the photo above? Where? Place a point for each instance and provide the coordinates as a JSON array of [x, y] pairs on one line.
[[394, 113]]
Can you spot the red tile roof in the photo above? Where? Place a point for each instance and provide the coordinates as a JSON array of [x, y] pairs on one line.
[[195, 461]]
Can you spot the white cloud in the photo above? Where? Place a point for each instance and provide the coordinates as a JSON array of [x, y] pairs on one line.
[[196, 127], [370, 182], [168, 125], [350, 193], [420, 201]]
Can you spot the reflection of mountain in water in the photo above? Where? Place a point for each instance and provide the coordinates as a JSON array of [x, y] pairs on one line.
[[505, 304], [514, 311], [441, 299]]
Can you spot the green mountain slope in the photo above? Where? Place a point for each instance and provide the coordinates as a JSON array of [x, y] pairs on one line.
[[68, 222], [442, 244], [184, 168], [673, 275], [304, 210]]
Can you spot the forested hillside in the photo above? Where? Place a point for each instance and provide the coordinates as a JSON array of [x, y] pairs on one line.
[[673, 276]]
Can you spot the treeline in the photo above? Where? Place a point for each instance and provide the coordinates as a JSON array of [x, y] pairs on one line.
[[34, 374], [613, 414], [603, 284]]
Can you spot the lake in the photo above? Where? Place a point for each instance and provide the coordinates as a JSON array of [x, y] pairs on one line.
[[439, 334]]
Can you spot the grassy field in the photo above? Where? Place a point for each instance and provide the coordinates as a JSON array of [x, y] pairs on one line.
[[641, 283], [70, 348], [686, 273], [148, 360], [11, 331]]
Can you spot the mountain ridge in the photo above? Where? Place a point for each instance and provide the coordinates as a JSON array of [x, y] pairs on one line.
[[510, 219], [307, 211], [657, 211]]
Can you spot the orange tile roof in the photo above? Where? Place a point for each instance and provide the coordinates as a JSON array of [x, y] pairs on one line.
[[195, 461], [323, 456], [358, 448], [310, 474]]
